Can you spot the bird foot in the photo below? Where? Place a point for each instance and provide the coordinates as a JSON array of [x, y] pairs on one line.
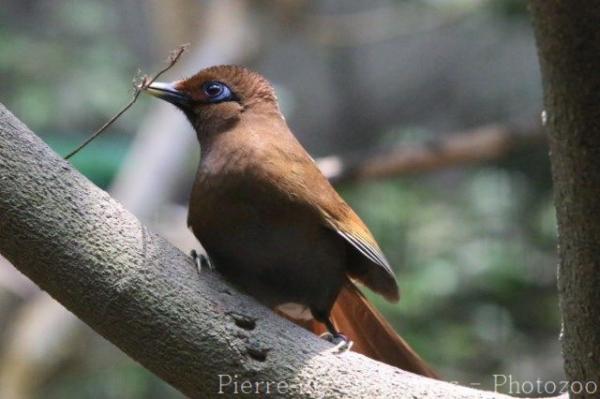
[[341, 342], [201, 260]]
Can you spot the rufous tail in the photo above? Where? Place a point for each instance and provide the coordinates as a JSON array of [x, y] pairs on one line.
[[371, 334]]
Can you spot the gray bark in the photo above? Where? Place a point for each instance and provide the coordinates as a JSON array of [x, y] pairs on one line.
[[568, 39], [146, 297]]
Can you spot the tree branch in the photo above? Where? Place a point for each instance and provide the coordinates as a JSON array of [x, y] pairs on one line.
[[478, 145], [139, 292], [568, 42]]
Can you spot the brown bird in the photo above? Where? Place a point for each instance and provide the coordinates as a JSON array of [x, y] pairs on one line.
[[273, 225]]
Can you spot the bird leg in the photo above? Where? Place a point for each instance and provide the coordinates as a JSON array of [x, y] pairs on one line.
[[341, 342], [201, 260]]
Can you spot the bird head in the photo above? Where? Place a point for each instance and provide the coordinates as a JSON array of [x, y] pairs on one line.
[[216, 98]]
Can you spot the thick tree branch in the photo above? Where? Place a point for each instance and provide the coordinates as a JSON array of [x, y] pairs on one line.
[[146, 297]]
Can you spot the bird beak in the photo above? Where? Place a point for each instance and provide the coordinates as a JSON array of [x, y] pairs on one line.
[[168, 92]]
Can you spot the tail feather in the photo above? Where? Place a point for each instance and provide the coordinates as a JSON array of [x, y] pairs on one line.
[[371, 334]]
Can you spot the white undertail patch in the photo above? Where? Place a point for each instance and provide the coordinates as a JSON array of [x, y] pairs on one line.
[[295, 311]]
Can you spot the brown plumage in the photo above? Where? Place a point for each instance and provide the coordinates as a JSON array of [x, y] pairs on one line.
[[270, 221], [371, 334]]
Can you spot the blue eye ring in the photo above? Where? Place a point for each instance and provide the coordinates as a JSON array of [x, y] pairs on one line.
[[216, 92]]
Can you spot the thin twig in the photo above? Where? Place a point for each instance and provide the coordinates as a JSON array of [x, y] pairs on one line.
[[145, 82]]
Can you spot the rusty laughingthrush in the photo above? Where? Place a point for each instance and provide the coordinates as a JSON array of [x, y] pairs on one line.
[[273, 225]]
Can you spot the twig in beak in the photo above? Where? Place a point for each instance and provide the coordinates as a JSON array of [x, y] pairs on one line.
[[139, 85]]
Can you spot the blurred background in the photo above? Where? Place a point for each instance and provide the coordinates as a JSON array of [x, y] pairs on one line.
[[469, 226]]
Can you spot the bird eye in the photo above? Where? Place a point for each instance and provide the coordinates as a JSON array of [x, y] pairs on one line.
[[213, 89], [217, 92]]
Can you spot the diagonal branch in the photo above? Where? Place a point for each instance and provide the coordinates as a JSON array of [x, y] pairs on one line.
[[145, 296], [482, 144]]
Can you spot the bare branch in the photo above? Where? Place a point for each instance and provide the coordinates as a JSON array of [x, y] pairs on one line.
[[478, 145]]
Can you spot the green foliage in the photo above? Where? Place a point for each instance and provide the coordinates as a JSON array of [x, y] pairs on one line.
[[472, 272], [69, 68], [121, 379], [99, 161], [509, 8]]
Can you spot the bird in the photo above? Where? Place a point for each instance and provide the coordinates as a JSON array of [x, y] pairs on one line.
[[273, 225]]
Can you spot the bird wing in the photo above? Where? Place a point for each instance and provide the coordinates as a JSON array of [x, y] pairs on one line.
[[292, 171], [367, 263], [365, 244]]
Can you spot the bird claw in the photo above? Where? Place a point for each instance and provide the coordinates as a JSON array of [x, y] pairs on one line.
[[341, 342], [201, 260], [197, 260]]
